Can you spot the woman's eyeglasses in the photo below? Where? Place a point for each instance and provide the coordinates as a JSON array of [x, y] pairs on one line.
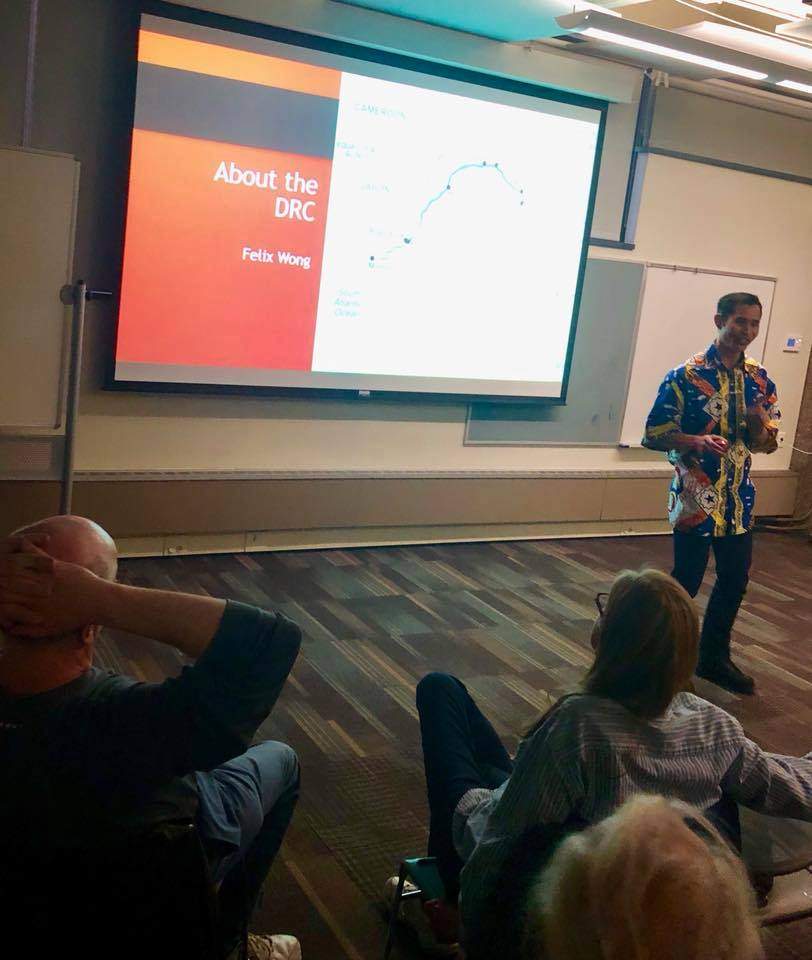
[[600, 602]]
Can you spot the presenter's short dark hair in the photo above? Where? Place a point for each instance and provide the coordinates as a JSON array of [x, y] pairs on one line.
[[730, 302]]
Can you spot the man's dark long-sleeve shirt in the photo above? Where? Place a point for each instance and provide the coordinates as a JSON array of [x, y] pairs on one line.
[[106, 755]]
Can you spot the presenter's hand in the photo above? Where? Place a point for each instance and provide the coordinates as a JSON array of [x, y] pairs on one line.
[[757, 419], [756, 409], [710, 444]]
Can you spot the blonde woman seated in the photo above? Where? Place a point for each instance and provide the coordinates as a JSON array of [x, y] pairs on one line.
[[655, 881], [631, 730]]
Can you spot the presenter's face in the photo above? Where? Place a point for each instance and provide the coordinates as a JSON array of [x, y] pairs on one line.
[[740, 328]]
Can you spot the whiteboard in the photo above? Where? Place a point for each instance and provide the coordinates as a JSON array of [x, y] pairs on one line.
[[596, 395], [676, 322], [38, 193]]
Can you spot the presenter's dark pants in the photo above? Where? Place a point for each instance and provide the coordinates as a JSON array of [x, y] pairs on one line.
[[733, 557], [461, 750]]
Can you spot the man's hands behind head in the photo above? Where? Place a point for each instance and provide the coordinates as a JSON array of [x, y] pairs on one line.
[[41, 596]]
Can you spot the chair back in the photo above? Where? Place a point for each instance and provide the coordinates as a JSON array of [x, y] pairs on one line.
[[149, 897]]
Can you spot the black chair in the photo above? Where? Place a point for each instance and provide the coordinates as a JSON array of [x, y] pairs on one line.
[[777, 852], [149, 897]]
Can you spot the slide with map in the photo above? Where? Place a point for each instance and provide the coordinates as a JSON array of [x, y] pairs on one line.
[[295, 223]]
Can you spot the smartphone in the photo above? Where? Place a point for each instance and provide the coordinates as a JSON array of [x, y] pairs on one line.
[[423, 871]]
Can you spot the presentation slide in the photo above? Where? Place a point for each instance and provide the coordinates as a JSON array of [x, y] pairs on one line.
[[299, 219]]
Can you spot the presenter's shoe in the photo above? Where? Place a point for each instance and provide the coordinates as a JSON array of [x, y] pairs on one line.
[[280, 946], [724, 673]]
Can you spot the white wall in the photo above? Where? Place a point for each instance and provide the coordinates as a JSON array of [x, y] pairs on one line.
[[694, 123], [697, 215], [691, 214]]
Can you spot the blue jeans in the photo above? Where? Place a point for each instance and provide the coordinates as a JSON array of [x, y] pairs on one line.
[[245, 807]]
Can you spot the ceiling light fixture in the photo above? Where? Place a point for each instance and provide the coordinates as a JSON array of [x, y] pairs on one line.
[[794, 85], [791, 31], [797, 30], [770, 9], [585, 5], [735, 38], [673, 53], [654, 47]]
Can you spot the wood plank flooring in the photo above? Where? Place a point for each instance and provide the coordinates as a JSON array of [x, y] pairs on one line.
[[510, 619]]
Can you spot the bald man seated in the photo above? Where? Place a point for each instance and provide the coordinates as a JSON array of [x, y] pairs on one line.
[[89, 756]]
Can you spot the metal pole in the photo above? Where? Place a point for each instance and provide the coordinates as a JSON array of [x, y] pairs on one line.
[[78, 295], [30, 66], [642, 136]]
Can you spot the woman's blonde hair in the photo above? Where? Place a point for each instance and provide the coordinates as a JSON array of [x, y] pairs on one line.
[[646, 643], [642, 885]]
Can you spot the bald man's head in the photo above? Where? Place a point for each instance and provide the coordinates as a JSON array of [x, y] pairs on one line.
[[77, 540]]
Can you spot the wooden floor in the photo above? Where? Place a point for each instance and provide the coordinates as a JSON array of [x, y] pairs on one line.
[[512, 620]]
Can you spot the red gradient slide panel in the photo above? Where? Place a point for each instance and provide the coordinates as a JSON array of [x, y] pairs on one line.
[[190, 293]]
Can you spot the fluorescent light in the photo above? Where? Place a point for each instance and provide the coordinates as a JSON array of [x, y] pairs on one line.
[[584, 5], [796, 29], [794, 85], [780, 9], [656, 48], [748, 41]]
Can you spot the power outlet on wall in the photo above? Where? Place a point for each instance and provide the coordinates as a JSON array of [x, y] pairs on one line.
[[781, 438]]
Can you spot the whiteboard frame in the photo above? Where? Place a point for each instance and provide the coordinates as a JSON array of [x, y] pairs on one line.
[[58, 429]]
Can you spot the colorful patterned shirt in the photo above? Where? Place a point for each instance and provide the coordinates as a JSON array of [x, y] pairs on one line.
[[711, 496]]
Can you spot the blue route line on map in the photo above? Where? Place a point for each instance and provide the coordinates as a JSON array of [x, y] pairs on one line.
[[483, 164], [467, 166]]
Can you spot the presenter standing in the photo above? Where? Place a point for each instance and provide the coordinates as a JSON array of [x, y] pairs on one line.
[[710, 415]]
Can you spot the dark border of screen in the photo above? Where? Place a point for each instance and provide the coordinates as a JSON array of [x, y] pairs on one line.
[[401, 62]]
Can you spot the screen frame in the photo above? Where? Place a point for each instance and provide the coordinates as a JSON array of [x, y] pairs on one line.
[[367, 54]]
